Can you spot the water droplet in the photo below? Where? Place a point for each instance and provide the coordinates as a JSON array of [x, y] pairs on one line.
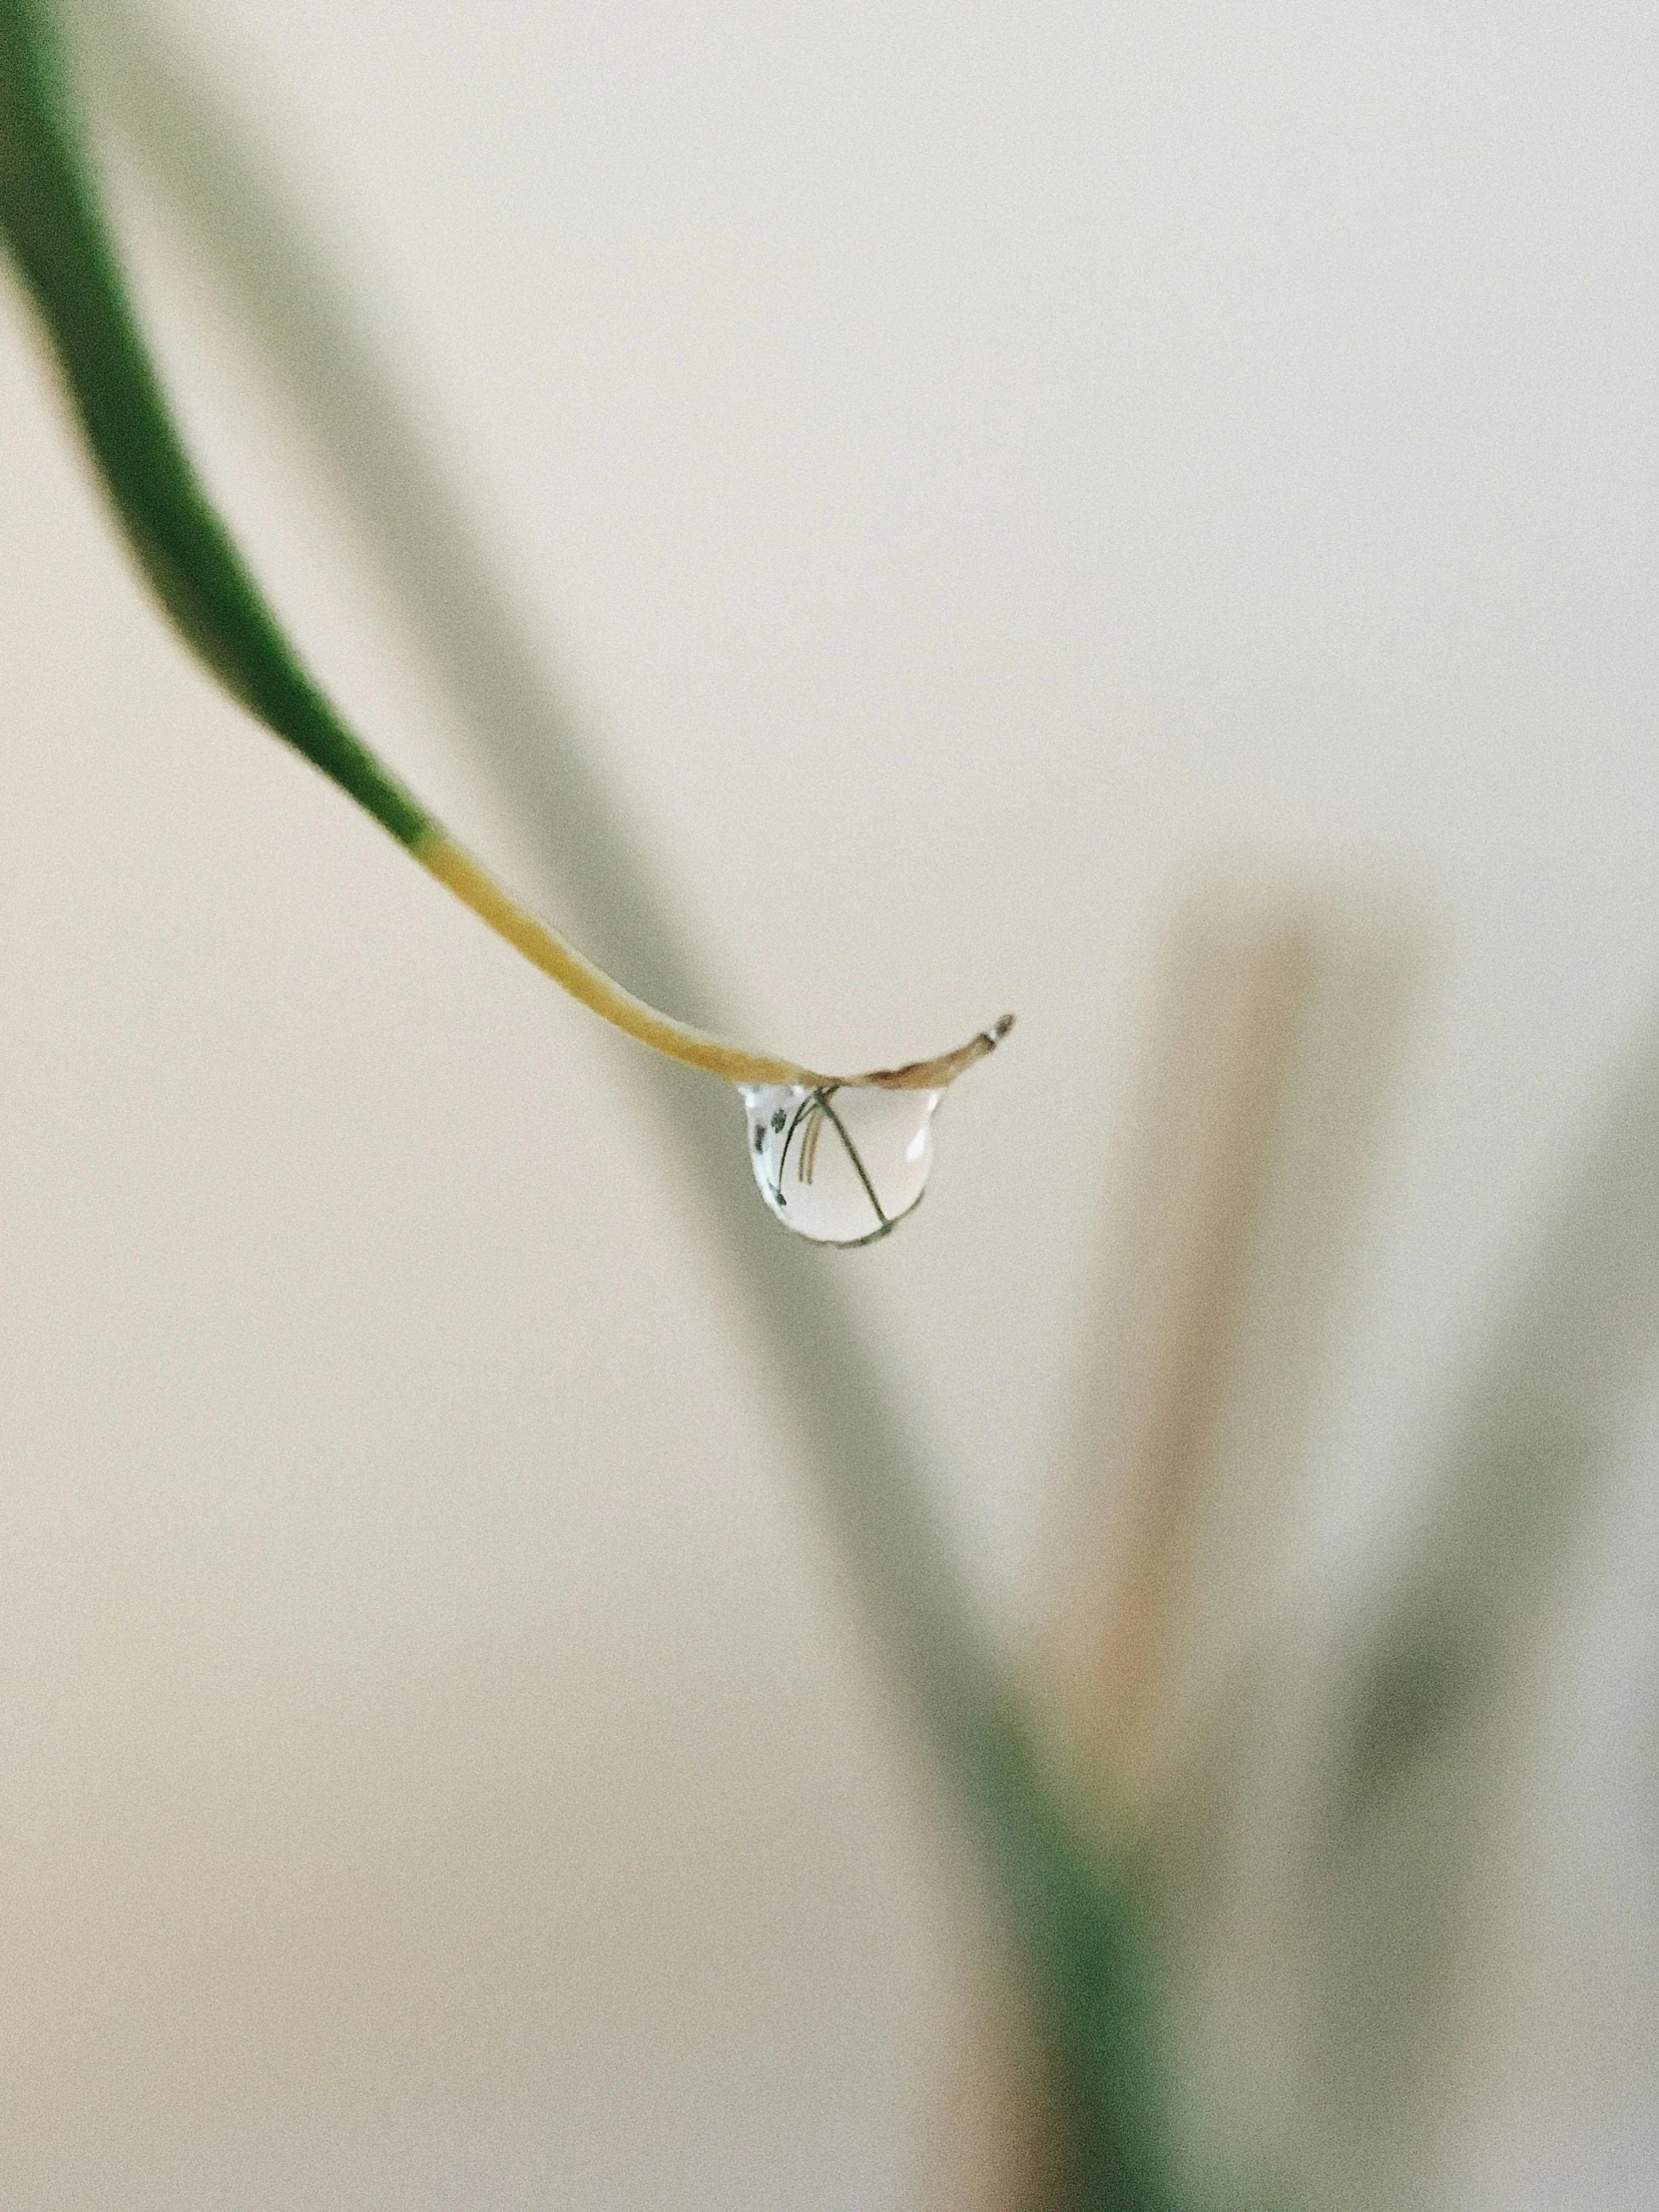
[[842, 1164]]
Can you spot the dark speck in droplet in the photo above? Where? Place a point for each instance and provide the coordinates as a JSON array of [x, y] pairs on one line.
[[778, 1118]]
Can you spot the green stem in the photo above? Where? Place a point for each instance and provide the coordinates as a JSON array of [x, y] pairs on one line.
[[55, 229], [52, 221], [1075, 1918]]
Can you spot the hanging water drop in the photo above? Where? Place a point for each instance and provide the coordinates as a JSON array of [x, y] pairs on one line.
[[843, 1162]]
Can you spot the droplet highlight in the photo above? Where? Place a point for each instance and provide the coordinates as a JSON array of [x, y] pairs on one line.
[[843, 1162]]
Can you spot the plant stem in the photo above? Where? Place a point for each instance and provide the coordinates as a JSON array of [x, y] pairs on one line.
[[54, 225], [1076, 1918]]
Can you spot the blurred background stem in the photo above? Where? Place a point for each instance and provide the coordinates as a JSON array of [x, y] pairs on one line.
[[1075, 1918]]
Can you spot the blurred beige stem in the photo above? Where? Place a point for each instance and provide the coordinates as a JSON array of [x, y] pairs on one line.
[[1276, 1026], [1277, 1019]]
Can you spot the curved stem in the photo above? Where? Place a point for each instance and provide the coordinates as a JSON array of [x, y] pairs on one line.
[[544, 947], [1077, 1919], [52, 223]]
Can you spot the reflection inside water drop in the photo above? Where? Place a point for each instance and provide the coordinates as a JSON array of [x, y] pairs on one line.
[[842, 1164]]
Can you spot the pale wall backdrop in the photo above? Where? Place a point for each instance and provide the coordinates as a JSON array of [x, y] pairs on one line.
[[968, 470]]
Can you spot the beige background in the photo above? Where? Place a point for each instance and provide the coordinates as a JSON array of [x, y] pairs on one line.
[[969, 468]]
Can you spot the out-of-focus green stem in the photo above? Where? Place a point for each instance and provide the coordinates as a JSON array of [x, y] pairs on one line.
[[1076, 1920], [54, 226]]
